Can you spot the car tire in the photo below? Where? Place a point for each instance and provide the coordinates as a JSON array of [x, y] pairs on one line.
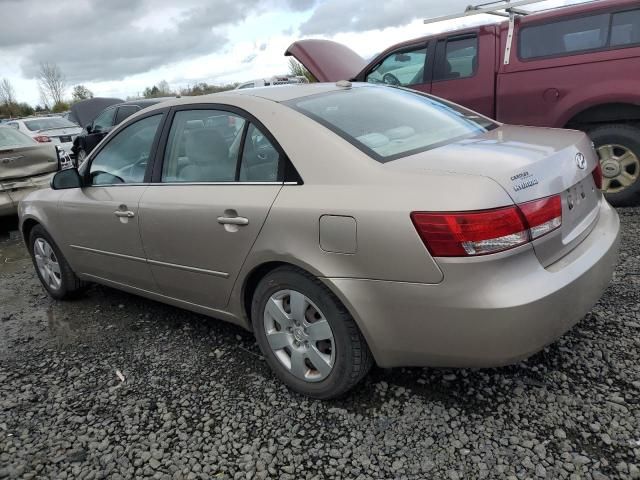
[[346, 352], [52, 268], [614, 142]]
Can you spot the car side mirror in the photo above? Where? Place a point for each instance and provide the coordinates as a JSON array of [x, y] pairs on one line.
[[64, 179]]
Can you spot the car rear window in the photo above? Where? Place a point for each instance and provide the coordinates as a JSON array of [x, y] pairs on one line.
[[48, 123], [13, 138], [389, 123]]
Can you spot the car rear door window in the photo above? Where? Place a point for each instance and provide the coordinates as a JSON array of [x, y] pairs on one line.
[[260, 159], [203, 146], [625, 28], [456, 58], [104, 121], [401, 68], [125, 111], [565, 37], [124, 159]]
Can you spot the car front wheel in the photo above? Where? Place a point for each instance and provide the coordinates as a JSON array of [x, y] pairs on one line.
[[307, 336], [52, 268]]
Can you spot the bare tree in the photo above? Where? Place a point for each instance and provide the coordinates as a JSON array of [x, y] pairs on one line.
[[7, 93], [52, 83]]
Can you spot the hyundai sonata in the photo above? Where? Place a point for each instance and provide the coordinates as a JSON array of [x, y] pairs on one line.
[[344, 224]]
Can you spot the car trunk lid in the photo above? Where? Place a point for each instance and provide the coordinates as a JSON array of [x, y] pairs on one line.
[[25, 161], [528, 164], [327, 61]]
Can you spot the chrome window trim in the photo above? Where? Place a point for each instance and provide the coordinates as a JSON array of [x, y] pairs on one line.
[[155, 184]]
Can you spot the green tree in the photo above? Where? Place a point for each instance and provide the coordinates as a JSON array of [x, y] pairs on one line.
[[80, 92], [60, 107], [297, 69]]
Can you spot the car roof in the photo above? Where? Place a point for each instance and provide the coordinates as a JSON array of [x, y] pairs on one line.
[[145, 102], [277, 93]]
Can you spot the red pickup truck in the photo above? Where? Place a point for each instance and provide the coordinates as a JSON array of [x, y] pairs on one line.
[[573, 67]]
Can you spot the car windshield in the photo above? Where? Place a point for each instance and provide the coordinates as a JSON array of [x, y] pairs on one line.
[[48, 123], [388, 123], [13, 138]]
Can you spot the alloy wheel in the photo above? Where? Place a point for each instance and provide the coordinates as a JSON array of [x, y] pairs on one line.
[[47, 264], [620, 167], [299, 335]]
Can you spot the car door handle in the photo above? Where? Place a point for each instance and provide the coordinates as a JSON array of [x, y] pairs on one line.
[[233, 221], [124, 213]]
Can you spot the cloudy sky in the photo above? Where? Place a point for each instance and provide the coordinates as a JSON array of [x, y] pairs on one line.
[[119, 47]]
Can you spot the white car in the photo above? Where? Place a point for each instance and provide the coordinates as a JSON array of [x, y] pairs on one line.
[[56, 130], [272, 81]]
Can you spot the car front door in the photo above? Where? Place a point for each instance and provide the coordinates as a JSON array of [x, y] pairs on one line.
[[405, 67], [208, 202], [101, 219], [99, 128]]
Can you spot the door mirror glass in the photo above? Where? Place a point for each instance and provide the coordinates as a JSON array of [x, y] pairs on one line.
[[401, 68], [64, 179]]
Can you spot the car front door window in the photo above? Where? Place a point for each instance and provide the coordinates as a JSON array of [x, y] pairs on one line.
[[402, 68], [124, 159]]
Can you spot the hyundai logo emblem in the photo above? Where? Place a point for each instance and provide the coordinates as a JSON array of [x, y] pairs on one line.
[[581, 161]]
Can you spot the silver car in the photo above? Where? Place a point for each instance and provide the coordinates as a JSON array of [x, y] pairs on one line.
[[344, 224], [56, 130]]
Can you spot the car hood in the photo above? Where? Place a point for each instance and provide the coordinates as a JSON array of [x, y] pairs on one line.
[[26, 161], [327, 61], [85, 111]]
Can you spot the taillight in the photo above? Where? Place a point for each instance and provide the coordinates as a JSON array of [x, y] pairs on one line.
[[42, 139], [465, 234], [542, 216], [597, 176]]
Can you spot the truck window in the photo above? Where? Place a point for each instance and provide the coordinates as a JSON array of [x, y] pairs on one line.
[[625, 28], [401, 68], [456, 58], [564, 37]]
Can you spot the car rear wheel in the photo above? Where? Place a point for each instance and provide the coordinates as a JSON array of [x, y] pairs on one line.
[[52, 268], [618, 147], [307, 336]]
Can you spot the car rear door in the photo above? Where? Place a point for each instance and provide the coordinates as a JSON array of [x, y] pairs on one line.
[[464, 69], [101, 220], [209, 199]]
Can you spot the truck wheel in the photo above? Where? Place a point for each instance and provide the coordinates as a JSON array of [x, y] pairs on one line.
[[619, 149]]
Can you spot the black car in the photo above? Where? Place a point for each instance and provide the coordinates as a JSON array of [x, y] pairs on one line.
[[102, 124]]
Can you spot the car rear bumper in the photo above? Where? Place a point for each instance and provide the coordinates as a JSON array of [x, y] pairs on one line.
[[12, 191], [487, 311]]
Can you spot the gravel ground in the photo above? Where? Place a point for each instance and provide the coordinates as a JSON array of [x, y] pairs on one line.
[[198, 401]]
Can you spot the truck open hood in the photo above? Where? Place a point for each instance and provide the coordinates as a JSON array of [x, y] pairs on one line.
[[327, 61], [85, 111]]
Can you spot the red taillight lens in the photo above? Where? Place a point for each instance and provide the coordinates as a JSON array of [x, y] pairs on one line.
[[464, 234], [597, 176], [42, 139], [471, 233], [543, 216]]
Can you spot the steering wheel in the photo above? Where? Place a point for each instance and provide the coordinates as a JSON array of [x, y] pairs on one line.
[[100, 172], [391, 79]]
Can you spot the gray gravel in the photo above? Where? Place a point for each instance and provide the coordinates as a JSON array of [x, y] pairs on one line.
[[199, 402]]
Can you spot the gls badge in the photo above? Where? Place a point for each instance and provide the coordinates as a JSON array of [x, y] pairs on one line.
[[581, 162]]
